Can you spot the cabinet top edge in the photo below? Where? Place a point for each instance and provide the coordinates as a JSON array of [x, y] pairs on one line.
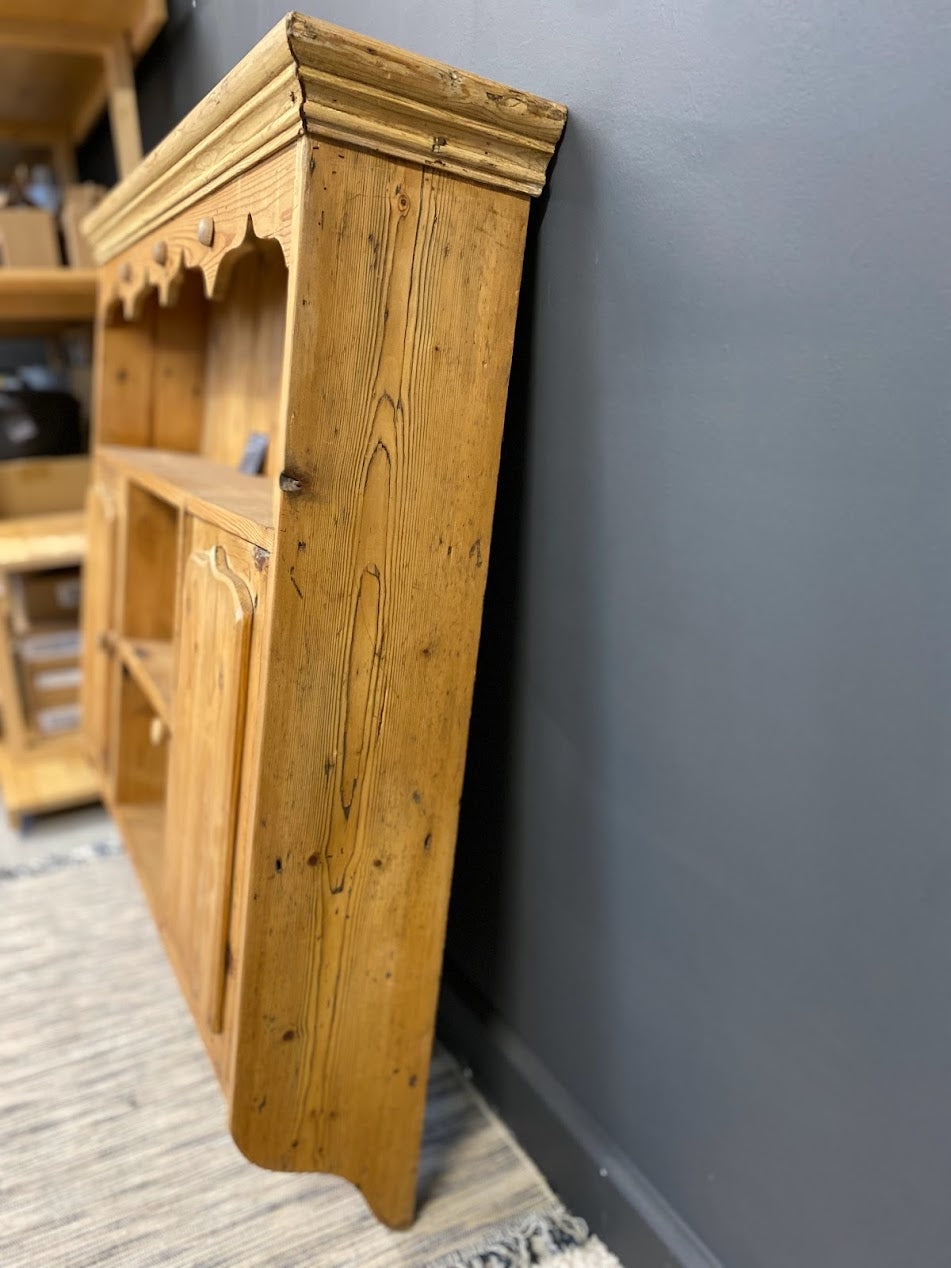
[[311, 78], [336, 52]]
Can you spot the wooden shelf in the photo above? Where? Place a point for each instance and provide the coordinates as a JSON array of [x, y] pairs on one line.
[[149, 661], [242, 504], [45, 298], [53, 775], [30, 542], [58, 60]]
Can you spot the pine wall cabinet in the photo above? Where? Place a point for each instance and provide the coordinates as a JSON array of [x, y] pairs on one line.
[[279, 666]]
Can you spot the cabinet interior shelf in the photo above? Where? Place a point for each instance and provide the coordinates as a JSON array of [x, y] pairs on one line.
[[149, 661], [242, 504]]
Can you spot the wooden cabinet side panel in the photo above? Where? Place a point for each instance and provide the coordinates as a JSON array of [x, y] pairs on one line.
[[402, 304]]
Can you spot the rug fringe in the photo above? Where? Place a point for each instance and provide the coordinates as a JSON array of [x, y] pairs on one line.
[[531, 1240], [53, 862]]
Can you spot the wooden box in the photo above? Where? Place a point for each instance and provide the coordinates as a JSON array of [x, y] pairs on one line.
[[28, 238], [44, 598], [50, 675], [43, 486], [278, 668]]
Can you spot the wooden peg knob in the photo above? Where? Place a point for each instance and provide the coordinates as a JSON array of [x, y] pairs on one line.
[[157, 731], [159, 252], [206, 231]]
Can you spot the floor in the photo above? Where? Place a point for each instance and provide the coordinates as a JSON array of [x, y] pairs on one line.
[[51, 835], [114, 1147]]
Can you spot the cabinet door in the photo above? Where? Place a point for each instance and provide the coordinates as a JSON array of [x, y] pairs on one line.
[[98, 622], [205, 763]]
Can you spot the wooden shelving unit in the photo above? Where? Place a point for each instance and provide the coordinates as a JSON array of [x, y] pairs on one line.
[[61, 64], [38, 773], [278, 668], [34, 301]]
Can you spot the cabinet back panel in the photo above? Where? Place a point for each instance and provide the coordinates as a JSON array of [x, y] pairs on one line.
[[143, 764], [123, 388], [151, 564], [244, 356], [179, 369]]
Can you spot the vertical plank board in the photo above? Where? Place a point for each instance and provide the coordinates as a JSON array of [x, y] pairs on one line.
[[208, 718], [403, 306], [123, 108], [123, 368], [151, 563], [245, 355], [98, 621], [179, 370], [11, 700]]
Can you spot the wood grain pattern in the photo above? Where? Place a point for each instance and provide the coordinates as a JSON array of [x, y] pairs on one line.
[[395, 405], [210, 700]]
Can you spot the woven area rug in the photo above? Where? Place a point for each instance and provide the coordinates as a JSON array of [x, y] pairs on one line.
[[113, 1142]]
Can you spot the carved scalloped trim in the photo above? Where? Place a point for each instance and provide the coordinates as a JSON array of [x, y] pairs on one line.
[[128, 281], [253, 113]]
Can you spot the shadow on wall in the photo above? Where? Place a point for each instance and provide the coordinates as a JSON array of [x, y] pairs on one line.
[[545, 453], [475, 955], [533, 969]]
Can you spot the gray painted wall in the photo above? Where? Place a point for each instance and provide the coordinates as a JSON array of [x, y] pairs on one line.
[[705, 873]]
